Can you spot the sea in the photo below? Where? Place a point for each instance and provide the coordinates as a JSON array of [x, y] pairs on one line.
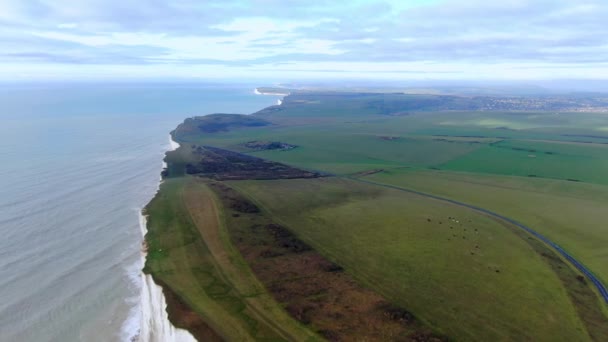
[[79, 162]]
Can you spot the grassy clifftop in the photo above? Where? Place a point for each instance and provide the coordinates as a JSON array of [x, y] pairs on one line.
[[244, 234]]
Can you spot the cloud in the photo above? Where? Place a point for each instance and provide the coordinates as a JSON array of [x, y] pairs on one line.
[[248, 37]]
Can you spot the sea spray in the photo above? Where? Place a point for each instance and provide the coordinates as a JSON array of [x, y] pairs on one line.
[[130, 328], [155, 325]]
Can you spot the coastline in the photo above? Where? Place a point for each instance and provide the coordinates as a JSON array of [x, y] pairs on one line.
[[279, 101], [154, 320], [151, 317], [164, 300]]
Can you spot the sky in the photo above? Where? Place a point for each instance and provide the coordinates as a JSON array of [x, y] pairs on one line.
[[304, 39]]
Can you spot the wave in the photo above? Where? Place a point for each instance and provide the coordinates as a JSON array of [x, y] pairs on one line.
[[148, 320]]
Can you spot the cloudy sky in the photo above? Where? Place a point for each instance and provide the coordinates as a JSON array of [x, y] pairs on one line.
[[394, 39]]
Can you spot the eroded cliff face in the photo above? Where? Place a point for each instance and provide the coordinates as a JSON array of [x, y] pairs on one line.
[[155, 325]]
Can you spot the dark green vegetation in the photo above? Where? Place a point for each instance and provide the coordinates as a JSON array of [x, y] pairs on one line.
[[190, 254], [268, 145], [222, 164], [313, 289], [218, 123], [303, 249]]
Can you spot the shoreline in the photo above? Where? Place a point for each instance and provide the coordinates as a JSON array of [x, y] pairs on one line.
[[154, 325], [279, 101], [151, 313]]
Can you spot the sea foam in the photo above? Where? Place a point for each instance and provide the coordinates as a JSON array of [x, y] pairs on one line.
[[149, 321], [155, 325]]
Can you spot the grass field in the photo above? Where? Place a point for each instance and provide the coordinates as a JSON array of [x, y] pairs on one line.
[[473, 279], [573, 162], [189, 252], [569, 213], [465, 274], [314, 290], [320, 151], [342, 150], [359, 139]]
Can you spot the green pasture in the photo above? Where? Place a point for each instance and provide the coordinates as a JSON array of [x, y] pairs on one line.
[[475, 279], [469, 276], [570, 214], [189, 252], [573, 162]]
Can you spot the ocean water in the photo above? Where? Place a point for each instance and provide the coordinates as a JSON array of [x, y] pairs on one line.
[[79, 162]]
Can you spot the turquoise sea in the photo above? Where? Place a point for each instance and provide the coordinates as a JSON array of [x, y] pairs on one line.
[[79, 161]]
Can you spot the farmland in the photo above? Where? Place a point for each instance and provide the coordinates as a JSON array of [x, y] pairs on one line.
[[567, 212], [316, 191], [424, 255]]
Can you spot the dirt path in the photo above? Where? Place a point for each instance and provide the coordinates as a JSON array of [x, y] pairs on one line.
[[202, 207]]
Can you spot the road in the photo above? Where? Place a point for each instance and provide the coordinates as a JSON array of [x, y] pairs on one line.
[[577, 264]]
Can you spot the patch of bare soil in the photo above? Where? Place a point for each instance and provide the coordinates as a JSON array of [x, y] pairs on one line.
[[314, 290]]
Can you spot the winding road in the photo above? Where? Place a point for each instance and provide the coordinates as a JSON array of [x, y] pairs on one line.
[[579, 266]]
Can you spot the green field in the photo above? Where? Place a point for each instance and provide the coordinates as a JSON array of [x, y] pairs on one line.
[[574, 162], [459, 141], [568, 213], [464, 274], [191, 255], [458, 277]]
